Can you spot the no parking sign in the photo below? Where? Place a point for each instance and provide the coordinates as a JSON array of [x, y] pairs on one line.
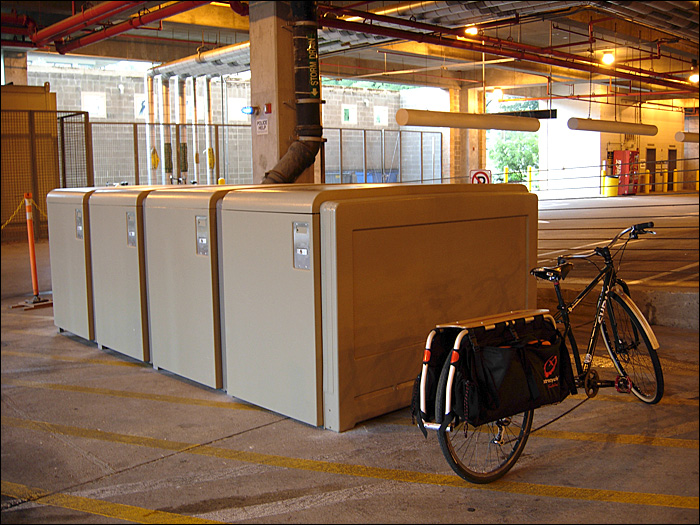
[[480, 176]]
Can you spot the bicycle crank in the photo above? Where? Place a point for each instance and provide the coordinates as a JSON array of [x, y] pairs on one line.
[[591, 384]]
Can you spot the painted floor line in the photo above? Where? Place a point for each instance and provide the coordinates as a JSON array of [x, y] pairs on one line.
[[96, 507], [407, 476], [132, 395]]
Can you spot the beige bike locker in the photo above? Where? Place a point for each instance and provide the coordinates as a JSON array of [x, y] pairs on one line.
[[71, 266], [183, 281], [328, 290], [119, 269]]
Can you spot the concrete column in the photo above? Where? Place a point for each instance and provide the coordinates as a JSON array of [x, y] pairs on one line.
[[459, 143], [271, 82], [476, 152], [14, 65]]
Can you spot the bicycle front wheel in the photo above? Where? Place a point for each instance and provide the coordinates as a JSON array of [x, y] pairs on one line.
[[631, 350], [485, 453]]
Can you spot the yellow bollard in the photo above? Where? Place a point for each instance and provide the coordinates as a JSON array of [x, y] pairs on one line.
[[677, 185], [697, 180], [505, 175], [610, 189], [664, 181], [529, 178], [221, 180], [603, 174], [644, 181]]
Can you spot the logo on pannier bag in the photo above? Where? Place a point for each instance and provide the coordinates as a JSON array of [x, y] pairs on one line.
[[549, 367]]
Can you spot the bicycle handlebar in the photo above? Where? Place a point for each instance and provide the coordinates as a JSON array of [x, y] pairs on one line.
[[634, 231]]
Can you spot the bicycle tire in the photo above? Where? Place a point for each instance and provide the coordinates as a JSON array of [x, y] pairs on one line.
[[631, 351], [474, 453]]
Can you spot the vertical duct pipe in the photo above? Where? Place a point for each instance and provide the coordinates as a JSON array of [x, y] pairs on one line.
[[151, 153], [182, 128], [195, 142], [166, 140], [209, 123], [307, 88]]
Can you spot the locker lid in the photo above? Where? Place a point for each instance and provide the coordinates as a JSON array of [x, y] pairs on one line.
[[308, 198], [193, 197], [122, 195], [69, 195]]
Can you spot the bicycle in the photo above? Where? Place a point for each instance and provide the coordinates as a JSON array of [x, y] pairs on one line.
[[486, 453]]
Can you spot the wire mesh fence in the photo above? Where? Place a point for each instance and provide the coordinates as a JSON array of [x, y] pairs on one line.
[[41, 150]]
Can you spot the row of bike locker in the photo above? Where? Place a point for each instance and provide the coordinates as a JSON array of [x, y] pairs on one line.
[[311, 301]]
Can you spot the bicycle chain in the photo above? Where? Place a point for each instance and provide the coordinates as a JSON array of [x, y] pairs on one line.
[[560, 416]]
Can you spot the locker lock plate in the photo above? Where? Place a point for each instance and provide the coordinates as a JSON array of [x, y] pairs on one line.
[[302, 245]]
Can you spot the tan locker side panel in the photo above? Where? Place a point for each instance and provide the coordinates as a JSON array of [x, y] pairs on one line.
[[69, 253], [395, 269], [272, 313]]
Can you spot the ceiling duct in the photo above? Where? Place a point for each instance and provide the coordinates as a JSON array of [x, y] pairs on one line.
[[442, 119], [611, 126]]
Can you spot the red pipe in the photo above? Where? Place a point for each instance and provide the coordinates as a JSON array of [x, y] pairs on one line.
[[498, 46], [132, 23], [522, 52], [79, 21], [15, 24]]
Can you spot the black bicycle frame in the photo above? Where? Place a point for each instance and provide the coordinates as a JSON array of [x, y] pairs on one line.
[[607, 275]]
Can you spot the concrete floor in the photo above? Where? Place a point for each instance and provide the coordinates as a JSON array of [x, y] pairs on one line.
[[90, 436]]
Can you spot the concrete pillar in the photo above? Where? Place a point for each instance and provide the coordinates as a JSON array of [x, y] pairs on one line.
[[271, 82], [459, 140], [476, 153], [14, 65]]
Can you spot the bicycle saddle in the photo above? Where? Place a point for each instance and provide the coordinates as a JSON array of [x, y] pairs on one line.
[[553, 273]]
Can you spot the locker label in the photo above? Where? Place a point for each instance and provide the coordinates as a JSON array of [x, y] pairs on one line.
[[131, 228], [302, 251], [202, 235]]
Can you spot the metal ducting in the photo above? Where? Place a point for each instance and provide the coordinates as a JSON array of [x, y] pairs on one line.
[[307, 92], [222, 60]]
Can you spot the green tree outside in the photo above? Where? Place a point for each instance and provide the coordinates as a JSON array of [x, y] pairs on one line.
[[515, 150]]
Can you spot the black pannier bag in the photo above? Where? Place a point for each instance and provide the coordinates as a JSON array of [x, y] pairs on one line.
[[510, 368], [438, 348]]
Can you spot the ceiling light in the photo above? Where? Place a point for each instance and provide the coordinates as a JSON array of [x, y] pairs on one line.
[[608, 58], [610, 126], [694, 77], [443, 119], [498, 93], [472, 30]]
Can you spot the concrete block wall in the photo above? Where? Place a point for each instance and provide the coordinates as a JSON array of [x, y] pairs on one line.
[[351, 109]]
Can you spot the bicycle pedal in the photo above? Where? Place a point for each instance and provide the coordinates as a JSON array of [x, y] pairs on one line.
[[623, 384]]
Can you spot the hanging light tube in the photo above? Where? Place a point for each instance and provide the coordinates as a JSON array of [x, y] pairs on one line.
[[442, 119], [610, 126], [685, 136]]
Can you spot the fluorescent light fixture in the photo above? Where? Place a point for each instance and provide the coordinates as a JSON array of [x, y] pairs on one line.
[[608, 58], [443, 119], [694, 78], [610, 126], [685, 136], [472, 30], [498, 93]]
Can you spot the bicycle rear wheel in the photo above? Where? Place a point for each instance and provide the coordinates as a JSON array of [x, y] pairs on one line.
[[485, 453], [631, 350]]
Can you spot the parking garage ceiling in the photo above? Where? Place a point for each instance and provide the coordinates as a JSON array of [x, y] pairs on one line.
[[550, 46]]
